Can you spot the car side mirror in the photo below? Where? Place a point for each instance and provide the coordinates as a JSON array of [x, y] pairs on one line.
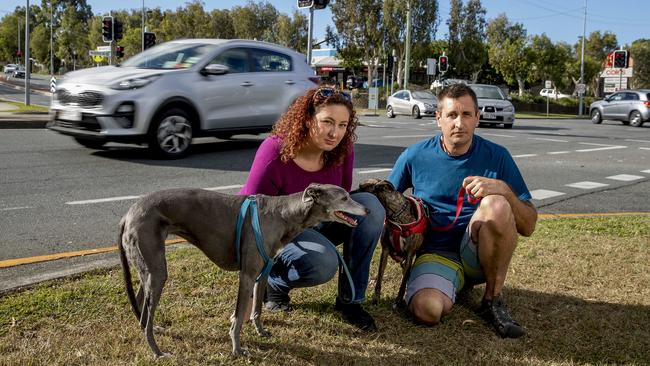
[[215, 69], [508, 97]]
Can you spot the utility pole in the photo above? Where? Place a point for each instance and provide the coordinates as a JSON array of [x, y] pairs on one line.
[[27, 61], [582, 62], [51, 39], [408, 45], [142, 25], [311, 30]]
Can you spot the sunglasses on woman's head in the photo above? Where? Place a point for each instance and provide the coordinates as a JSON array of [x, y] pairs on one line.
[[326, 92]]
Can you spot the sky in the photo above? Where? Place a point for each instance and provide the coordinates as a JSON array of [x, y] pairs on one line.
[[561, 20]]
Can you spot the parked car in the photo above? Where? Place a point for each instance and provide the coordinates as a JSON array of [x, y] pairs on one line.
[[9, 69], [19, 72], [494, 105], [631, 107], [173, 92], [376, 83], [553, 93], [355, 82], [414, 103], [446, 82]]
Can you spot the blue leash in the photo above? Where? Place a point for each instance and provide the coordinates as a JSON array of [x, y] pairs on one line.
[[251, 202]]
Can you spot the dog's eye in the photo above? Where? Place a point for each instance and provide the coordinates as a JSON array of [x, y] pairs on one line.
[[345, 198]]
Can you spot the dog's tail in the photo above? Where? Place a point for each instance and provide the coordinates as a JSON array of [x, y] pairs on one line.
[[128, 283]]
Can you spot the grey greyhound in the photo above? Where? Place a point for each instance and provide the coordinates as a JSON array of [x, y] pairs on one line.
[[208, 220]]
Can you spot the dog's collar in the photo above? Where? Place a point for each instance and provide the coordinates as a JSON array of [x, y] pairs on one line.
[[418, 226], [251, 201]]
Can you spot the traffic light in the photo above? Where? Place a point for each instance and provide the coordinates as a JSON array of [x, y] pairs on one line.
[[320, 4], [389, 65], [305, 4], [117, 30], [119, 51], [107, 29], [620, 59], [149, 39], [443, 64]]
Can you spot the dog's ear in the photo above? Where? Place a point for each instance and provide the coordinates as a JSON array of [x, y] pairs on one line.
[[386, 184], [368, 185], [312, 192]]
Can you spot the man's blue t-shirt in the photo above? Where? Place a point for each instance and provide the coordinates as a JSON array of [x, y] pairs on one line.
[[436, 178]]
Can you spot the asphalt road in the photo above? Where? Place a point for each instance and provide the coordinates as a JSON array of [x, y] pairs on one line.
[[58, 197], [16, 93]]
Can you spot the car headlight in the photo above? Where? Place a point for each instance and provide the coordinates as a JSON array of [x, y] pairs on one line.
[[428, 106], [509, 108], [134, 83]]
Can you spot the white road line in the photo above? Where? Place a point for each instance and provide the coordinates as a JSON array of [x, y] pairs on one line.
[[223, 188], [540, 194], [637, 140], [558, 152], [587, 185], [646, 171], [409, 136], [497, 135], [375, 171], [602, 148], [543, 139], [593, 144], [523, 155], [15, 208], [644, 148], [625, 177], [100, 200]]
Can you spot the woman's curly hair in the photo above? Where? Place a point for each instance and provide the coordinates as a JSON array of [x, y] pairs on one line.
[[293, 126]]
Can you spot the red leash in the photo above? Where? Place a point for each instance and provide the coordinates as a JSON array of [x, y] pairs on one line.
[[459, 206]]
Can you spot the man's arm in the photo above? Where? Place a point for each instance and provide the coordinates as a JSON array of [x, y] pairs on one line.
[[524, 211]]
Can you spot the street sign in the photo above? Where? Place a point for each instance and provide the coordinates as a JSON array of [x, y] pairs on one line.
[[608, 72], [52, 84], [431, 66], [548, 84], [305, 4], [104, 48], [372, 98], [581, 88]]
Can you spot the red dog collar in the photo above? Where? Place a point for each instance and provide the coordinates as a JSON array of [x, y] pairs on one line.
[[398, 231]]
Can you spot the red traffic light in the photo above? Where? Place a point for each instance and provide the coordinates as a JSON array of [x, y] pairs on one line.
[[443, 64], [107, 29], [620, 59]]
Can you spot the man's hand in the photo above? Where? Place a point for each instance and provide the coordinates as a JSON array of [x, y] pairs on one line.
[[480, 187]]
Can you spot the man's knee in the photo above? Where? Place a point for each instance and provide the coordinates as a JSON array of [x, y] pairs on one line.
[[497, 212], [428, 306]]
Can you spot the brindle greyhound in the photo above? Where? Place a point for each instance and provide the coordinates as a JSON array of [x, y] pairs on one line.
[[207, 219], [403, 218]]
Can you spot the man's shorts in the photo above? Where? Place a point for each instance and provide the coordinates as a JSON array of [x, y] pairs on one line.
[[447, 272]]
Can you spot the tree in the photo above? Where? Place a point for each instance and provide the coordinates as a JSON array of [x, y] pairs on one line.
[[291, 32], [467, 49], [547, 60], [640, 55], [254, 20], [507, 50], [359, 23], [221, 23]]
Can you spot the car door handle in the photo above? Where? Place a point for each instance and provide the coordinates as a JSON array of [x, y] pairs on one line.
[[246, 83], [290, 82]]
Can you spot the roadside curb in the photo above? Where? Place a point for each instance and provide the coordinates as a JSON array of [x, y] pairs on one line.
[[21, 122]]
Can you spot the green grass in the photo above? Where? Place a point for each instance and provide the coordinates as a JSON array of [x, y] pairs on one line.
[[535, 115], [579, 285], [22, 108]]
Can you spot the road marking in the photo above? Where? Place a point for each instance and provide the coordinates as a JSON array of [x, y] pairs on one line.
[[594, 144], [408, 136], [15, 208], [644, 148], [543, 139], [637, 140], [587, 185], [375, 171], [523, 155], [223, 188], [497, 135], [646, 171], [51, 257], [100, 200], [558, 152], [602, 148], [625, 177], [540, 194]]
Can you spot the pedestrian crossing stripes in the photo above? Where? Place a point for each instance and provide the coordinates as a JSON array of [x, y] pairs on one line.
[[587, 185]]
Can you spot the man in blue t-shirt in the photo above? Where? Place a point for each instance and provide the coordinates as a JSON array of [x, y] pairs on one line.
[[472, 243]]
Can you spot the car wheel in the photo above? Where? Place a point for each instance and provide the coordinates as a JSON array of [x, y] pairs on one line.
[[416, 112], [389, 112], [635, 119], [170, 135], [91, 144], [507, 125], [596, 118]]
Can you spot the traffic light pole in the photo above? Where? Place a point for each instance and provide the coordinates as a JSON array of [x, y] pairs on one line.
[[408, 45], [311, 29], [27, 60]]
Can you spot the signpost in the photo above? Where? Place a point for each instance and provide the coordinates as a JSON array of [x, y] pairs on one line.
[[373, 93], [52, 84], [548, 84]]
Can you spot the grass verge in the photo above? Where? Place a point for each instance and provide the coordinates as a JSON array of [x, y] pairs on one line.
[[22, 108], [579, 285]]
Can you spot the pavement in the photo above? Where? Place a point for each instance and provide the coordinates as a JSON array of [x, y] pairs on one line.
[[9, 115]]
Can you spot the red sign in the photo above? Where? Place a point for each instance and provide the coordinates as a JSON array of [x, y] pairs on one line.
[[19, 53]]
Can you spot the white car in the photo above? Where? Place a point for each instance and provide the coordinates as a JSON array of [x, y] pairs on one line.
[[494, 105], [179, 90], [10, 68], [553, 93], [410, 102]]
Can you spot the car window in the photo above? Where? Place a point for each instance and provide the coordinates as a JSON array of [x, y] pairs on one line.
[[270, 61], [170, 56], [617, 97], [235, 58], [399, 95], [422, 95], [631, 96], [487, 92], [406, 95]]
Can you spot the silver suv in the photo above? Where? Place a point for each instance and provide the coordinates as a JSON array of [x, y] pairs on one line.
[[631, 107], [494, 105], [178, 90]]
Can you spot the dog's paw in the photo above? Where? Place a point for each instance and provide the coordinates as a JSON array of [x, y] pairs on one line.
[[241, 352], [158, 330], [263, 332], [163, 355]]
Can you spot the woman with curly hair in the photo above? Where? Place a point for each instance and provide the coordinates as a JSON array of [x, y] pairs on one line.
[[313, 142]]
